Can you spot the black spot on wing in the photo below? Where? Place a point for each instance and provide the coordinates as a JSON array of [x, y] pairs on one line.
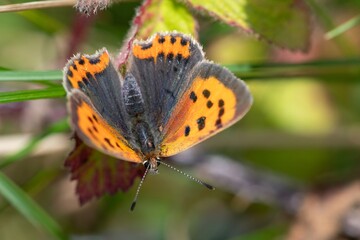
[[193, 96], [95, 118], [183, 42], [146, 46], [81, 61], [161, 40], [221, 112], [218, 123], [206, 93], [201, 123], [221, 103], [108, 142], [90, 119], [209, 104], [187, 131], [173, 40], [94, 61]]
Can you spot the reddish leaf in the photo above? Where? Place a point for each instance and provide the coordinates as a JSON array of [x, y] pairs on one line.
[[98, 174], [136, 23]]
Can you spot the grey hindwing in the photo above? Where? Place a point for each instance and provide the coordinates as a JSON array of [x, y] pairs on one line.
[[163, 80]]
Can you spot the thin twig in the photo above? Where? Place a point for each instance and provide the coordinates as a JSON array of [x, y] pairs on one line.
[[36, 5]]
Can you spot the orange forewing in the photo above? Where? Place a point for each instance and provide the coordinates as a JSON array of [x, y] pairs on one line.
[[100, 134], [80, 68], [206, 108], [162, 45]]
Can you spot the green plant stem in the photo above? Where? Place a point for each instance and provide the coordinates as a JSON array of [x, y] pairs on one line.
[[328, 70], [334, 70], [30, 75], [259, 68], [36, 184], [343, 28], [25, 95]]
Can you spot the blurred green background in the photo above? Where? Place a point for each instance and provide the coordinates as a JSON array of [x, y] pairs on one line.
[[304, 126]]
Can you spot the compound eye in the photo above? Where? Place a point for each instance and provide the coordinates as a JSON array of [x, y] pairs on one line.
[[146, 164]]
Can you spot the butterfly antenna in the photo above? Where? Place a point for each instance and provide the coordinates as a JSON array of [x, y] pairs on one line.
[[187, 175], [138, 189]]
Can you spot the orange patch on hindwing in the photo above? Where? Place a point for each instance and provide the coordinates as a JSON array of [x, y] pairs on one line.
[[212, 107], [81, 69], [175, 46], [102, 135]]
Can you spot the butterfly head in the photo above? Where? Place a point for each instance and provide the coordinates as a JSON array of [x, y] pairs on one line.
[[152, 165]]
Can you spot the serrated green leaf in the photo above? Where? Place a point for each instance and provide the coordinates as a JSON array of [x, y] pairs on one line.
[[30, 209], [280, 22], [166, 15]]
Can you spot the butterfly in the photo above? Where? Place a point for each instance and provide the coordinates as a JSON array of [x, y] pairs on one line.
[[169, 99]]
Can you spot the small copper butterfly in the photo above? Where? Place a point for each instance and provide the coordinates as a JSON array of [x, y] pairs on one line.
[[170, 99]]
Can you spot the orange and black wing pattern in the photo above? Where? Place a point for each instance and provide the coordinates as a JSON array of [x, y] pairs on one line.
[[96, 105], [83, 68], [214, 100], [96, 132], [162, 65]]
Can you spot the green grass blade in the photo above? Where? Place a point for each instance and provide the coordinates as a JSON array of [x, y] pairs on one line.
[[29, 209], [30, 75], [344, 70], [248, 67], [343, 28], [25, 95], [327, 21], [37, 183]]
